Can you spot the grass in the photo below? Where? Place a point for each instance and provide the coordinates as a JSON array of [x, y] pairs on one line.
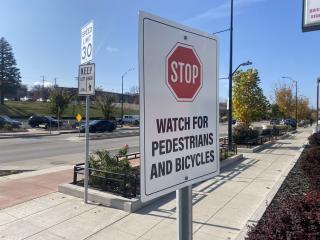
[[27, 109]]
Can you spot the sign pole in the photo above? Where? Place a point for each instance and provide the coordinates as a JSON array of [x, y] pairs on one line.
[[184, 213], [86, 165]]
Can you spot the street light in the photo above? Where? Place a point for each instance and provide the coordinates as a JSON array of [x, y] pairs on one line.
[[247, 63], [318, 80], [123, 75], [296, 96], [230, 78]]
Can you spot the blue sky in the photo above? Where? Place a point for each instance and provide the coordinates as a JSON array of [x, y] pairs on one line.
[[45, 36]]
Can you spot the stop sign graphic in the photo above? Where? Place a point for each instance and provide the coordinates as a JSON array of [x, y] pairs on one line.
[[183, 72]]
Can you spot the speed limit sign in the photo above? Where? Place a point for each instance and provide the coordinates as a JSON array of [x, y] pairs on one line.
[[87, 43]]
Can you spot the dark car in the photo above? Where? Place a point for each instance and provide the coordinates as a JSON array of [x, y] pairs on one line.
[[47, 121], [291, 122], [5, 120], [274, 122], [99, 126]]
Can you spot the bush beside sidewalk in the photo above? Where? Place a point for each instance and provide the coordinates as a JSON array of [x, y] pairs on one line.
[[294, 213]]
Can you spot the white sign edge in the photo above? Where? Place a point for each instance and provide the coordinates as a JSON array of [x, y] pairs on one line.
[[143, 15]]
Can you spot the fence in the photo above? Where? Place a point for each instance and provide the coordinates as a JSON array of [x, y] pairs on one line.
[[127, 185]]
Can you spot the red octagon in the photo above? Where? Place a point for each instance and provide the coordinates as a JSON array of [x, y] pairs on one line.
[[184, 72]]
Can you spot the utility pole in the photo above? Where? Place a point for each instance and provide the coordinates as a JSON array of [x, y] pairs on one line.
[[55, 82], [43, 80], [230, 79]]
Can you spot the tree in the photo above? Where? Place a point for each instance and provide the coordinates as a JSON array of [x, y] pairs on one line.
[[249, 103], [304, 112], [9, 73], [59, 100], [285, 100], [106, 105], [275, 112]]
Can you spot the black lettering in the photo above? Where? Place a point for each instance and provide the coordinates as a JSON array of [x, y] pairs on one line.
[[175, 145], [162, 169], [168, 146], [155, 146], [175, 124], [212, 155], [186, 162], [169, 125], [161, 125], [187, 123], [162, 147], [205, 121], [178, 164], [153, 171], [195, 118], [210, 138], [181, 144], [180, 124], [192, 142]]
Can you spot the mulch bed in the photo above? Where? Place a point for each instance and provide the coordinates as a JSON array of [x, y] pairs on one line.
[[294, 213]]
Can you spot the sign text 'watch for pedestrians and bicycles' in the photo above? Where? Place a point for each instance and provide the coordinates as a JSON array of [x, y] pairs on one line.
[[86, 79], [87, 43], [178, 106]]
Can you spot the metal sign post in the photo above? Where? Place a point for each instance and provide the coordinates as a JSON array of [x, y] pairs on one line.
[[86, 87], [184, 213], [86, 165]]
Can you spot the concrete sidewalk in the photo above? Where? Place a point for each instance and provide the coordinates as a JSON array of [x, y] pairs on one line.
[[222, 206]]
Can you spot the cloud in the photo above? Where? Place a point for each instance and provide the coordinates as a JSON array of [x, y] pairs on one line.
[[112, 49], [46, 84], [221, 11]]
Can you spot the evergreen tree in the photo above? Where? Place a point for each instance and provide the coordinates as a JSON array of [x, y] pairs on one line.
[[9, 73]]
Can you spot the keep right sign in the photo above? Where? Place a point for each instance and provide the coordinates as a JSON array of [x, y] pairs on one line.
[[178, 106]]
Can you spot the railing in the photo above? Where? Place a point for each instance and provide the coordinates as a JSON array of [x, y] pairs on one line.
[[226, 151], [127, 185]]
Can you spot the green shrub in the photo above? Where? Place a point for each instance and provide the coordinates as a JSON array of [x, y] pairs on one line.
[[243, 132], [103, 160]]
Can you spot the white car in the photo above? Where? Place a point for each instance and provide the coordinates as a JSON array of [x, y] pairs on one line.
[[131, 119]]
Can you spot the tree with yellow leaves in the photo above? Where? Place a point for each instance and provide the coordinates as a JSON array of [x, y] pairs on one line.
[[249, 103], [285, 100]]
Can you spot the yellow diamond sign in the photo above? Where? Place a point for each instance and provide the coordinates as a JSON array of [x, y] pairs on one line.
[[78, 117]]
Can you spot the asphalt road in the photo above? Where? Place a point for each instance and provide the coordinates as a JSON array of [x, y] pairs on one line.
[[43, 152]]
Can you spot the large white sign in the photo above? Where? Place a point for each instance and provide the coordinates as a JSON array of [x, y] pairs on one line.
[[87, 43], [86, 79], [311, 15], [178, 106]]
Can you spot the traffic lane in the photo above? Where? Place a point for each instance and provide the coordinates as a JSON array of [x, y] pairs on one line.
[[58, 147]]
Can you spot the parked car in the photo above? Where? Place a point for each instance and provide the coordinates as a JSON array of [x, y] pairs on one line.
[[99, 126], [274, 122], [5, 120], [290, 122], [130, 119], [46, 121]]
